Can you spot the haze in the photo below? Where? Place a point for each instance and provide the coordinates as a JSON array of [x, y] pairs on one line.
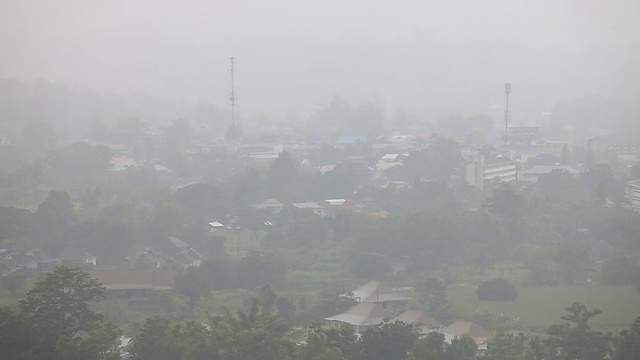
[[427, 58]]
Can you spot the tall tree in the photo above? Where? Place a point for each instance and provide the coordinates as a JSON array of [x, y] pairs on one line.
[[390, 341], [574, 340], [628, 343], [57, 307]]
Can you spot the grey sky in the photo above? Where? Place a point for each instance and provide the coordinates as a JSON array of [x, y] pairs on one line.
[[294, 54]]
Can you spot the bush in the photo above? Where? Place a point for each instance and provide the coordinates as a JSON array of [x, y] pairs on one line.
[[496, 290]]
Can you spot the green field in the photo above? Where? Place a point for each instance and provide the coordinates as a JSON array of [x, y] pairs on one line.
[[539, 307]]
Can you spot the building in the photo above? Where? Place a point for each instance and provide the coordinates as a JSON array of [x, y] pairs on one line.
[[134, 285], [532, 174], [77, 257], [490, 169], [360, 317], [553, 146], [378, 293], [309, 206], [423, 322], [273, 205], [632, 192], [463, 327], [121, 163]]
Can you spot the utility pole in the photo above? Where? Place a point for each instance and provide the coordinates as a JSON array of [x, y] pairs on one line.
[[232, 98], [507, 91]]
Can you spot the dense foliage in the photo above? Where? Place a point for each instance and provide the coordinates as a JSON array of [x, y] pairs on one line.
[[496, 290]]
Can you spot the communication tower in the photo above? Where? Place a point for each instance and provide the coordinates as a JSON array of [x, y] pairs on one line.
[[232, 98], [507, 91]]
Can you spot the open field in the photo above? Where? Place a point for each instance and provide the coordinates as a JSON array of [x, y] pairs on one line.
[[539, 307]]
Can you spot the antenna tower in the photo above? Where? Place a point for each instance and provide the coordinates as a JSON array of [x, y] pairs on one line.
[[232, 98], [507, 91]]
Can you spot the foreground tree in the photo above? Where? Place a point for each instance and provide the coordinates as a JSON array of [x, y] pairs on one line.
[[628, 343], [390, 341], [574, 340], [159, 339], [56, 310], [507, 346]]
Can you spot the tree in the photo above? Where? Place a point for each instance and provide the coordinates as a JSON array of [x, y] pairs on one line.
[[101, 343], [620, 270], [496, 290], [14, 281], [506, 202], [38, 137], [159, 339], [316, 348], [268, 298], [574, 340], [461, 348], [389, 341], [13, 339], [57, 307], [506, 346], [193, 284], [252, 335], [430, 347], [433, 294], [53, 217], [628, 343]]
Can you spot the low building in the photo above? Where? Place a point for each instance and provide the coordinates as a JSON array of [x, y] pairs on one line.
[[360, 317], [77, 257], [134, 285], [272, 205], [378, 293], [121, 163], [420, 320], [463, 327], [309, 206], [532, 174]]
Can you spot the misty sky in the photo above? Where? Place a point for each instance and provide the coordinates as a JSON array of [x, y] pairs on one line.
[[426, 57]]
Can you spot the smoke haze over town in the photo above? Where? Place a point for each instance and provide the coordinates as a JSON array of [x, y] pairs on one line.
[[427, 58]]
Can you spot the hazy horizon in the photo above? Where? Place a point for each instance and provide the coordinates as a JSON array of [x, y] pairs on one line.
[[424, 57]]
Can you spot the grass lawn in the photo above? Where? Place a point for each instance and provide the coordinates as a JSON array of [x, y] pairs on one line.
[[539, 307], [239, 244]]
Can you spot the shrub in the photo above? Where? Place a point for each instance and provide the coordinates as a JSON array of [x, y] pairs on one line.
[[496, 290]]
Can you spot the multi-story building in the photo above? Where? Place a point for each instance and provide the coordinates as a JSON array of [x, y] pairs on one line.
[[494, 169], [632, 190]]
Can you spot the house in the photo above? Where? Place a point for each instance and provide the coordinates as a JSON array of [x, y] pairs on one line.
[[317, 209], [77, 257], [421, 320], [378, 293], [187, 258], [43, 261], [215, 226], [145, 260], [464, 327], [173, 246], [121, 163], [360, 317], [21, 261], [8, 266], [134, 285]]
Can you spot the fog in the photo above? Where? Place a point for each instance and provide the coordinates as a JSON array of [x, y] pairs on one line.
[[427, 58]]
